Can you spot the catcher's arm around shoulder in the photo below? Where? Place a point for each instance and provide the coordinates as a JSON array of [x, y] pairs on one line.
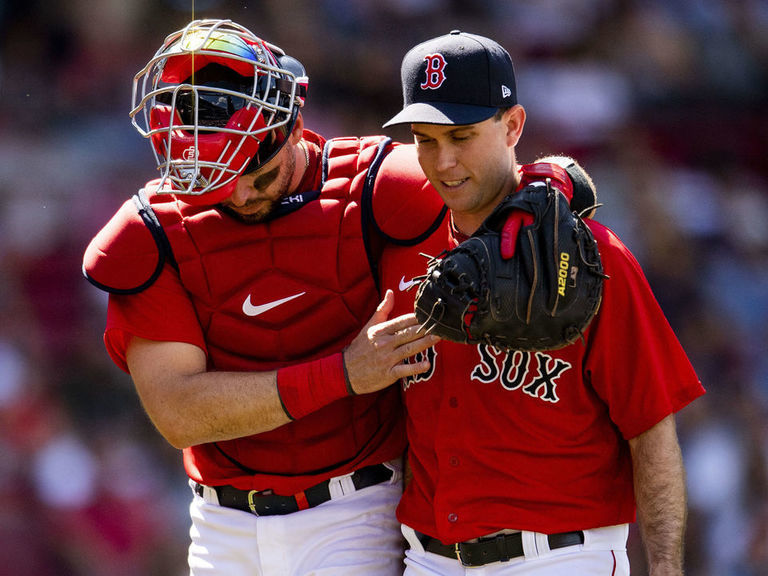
[[190, 405]]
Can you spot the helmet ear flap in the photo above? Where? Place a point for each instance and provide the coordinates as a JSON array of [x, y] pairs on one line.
[[290, 64]]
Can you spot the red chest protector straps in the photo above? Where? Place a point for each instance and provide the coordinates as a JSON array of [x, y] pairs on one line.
[[128, 254]]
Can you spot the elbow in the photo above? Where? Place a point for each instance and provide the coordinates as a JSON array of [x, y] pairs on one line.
[[173, 436], [176, 431], [178, 441], [181, 433], [171, 416]]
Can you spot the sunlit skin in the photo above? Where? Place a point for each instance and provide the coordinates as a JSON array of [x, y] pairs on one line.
[[471, 166], [257, 194]]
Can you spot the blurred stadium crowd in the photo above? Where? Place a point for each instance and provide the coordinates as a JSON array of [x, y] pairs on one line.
[[663, 101]]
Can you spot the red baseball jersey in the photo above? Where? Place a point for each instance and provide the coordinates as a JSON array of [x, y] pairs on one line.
[[537, 440], [316, 262]]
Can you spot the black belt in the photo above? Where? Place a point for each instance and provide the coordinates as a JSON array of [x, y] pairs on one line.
[[494, 549], [264, 503]]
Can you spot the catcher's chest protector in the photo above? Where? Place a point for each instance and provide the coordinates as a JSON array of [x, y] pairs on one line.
[[279, 284], [237, 273], [296, 288]]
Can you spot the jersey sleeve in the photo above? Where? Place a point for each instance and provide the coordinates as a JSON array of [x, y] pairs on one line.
[[162, 312], [635, 362]]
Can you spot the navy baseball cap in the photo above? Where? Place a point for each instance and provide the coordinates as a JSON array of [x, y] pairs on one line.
[[457, 78]]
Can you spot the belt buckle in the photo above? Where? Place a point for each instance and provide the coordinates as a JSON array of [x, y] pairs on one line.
[[251, 503], [457, 550]]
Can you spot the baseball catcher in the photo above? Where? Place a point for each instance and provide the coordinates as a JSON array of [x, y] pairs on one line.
[[529, 278]]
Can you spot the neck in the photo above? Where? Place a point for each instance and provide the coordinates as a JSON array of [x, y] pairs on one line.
[[463, 225], [301, 157], [468, 222]]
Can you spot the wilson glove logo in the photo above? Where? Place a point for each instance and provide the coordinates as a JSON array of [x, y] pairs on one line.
[[562, 273]]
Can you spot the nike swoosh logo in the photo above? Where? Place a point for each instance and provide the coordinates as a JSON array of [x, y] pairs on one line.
[[251, 310], [406, 285]]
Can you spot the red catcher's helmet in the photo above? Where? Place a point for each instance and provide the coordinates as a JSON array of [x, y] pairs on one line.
[[216, 101]]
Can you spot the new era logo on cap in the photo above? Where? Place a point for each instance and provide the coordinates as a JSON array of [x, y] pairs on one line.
[[458, 78]]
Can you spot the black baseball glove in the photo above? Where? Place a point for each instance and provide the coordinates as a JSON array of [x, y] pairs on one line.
[[542, 297]]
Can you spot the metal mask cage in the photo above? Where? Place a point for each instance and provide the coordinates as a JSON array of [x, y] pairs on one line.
[[198, 146]]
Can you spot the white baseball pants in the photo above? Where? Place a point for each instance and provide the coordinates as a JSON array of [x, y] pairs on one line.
[[351, 535], [602, 554]]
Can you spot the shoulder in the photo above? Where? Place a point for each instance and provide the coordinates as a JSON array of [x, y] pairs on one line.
[[613, 252], [405, 205], [353, 152], [626, 291], [128, 253]]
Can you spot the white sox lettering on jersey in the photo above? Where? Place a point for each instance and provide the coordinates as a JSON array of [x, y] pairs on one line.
[[428, 354], [535, 373]]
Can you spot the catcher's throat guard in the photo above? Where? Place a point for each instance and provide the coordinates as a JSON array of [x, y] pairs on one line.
[[542, 298]]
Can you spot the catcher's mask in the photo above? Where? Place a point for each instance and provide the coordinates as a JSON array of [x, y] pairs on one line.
[[216, 102]]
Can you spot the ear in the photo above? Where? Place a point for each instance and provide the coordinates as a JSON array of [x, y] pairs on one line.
[[514, 118], [298, 129]]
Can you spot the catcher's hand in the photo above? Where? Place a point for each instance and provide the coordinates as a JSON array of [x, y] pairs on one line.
[[541, 298]]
